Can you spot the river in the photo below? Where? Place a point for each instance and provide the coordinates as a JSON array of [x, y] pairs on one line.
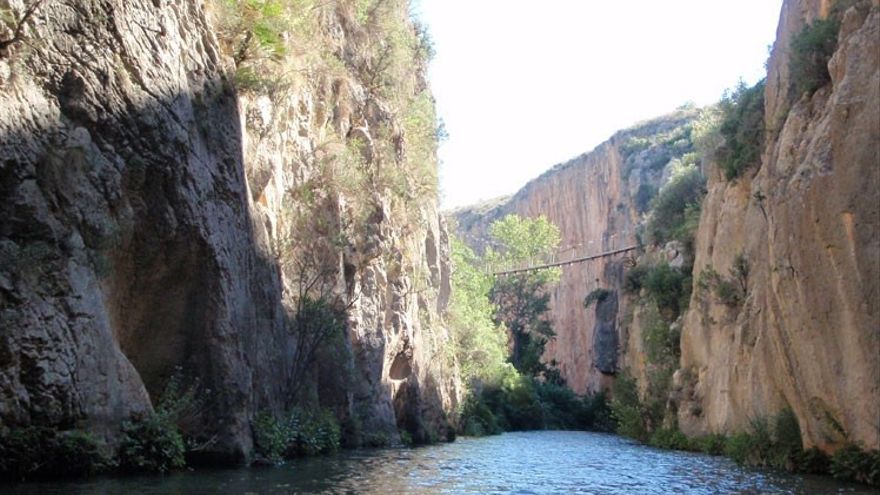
[[548, 462]]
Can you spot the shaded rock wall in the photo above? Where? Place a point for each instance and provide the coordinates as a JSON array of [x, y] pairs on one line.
[[807, 221], [143, 229]]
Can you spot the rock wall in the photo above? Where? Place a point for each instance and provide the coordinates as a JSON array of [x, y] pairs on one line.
[[591, 199], [146, 226], [807, 220]]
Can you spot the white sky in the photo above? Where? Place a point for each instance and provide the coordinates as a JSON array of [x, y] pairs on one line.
[[523, 85]]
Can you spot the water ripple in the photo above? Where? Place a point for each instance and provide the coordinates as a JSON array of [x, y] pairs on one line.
[[528, 463]]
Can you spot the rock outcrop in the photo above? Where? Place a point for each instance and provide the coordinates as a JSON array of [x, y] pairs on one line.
[[149, 225], [806, 220]]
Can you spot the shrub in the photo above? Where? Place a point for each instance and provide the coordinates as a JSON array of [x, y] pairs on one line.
[[742, 127], [672, 210], [713, 444], [776, 444], [669, 438], [596, 414], [477, 419], [627, 408], [151, 443], [811, 49], [668, 287], [270, 437], [312, 432], [635, 278], [730, 291], [45, 452], [852, 463]]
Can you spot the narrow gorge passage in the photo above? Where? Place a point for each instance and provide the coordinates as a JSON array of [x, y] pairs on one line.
[[251, 246]]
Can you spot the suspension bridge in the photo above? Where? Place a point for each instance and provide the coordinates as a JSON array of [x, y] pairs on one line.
[[574, 254]]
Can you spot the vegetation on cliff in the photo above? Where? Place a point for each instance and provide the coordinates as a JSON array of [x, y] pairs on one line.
[[501, 329]]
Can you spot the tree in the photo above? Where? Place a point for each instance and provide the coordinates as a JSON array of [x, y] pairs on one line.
[[480, 343], [521, 299]]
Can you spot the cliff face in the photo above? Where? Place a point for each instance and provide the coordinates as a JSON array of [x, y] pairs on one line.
[[808, 333], [152, 223], [592, 199]]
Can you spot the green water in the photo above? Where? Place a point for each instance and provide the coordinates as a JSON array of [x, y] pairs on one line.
[[550, 462]]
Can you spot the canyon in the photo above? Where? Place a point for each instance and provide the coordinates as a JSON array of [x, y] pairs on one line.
[[805, 219]]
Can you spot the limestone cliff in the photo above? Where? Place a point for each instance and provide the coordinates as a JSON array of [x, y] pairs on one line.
[[156, 216], [597, 201], [806, 220]]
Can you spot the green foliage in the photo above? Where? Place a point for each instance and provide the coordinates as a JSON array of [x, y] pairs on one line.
[[669, 288], [312, 432], [151, 443], [776, 444], [305, 432], [520, 402], [480, 345], [521, 300], [37, 452], [811, 49], [851, 462], [713, 444], [707, 131], [660, 339], [270, 437], [675, 211], [669, 438], [596, 296], [731, 290], [477, 419], [742, 128], [627, 408]]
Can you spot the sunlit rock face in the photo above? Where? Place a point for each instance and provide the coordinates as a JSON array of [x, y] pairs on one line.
[[807, 220], [592, 199], [144, 219]]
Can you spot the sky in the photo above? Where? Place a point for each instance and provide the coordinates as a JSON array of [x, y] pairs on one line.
[[524, 85]]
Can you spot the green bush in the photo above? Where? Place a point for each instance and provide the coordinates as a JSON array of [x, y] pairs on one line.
[[675, 211], [33, 452], [305, 432], [312, 432], [669, 438], [811, 49], [776, 444], [477, 419], [627, 408], [270, 437], [151, 443], [713, 444], [522, 402], [742, 127], [851, 462], [668, 287]]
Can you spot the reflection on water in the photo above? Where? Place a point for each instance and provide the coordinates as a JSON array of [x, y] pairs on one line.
[[555, 462]]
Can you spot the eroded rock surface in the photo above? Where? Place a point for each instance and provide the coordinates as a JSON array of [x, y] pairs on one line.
[[143, 228], [807, 221]]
